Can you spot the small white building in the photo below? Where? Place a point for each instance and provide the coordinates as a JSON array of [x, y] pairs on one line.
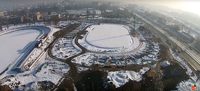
[[2, 13]]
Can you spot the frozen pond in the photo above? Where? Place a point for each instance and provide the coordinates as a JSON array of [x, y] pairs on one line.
[[14, 44], [109, 36]]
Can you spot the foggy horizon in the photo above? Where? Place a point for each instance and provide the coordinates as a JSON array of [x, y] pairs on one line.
[[189, 6]]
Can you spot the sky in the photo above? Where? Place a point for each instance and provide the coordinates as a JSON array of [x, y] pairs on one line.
[[192, 6]]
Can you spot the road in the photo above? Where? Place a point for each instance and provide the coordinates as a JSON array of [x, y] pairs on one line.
[[196, 63]]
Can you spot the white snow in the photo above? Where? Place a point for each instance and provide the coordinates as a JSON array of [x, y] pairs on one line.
[[65, 48], [48, 71], [63, 23], [31, 58], [119, 78], [187, 85], [119, 59], [81, 69], [12, 27], [112, 38], [165, 63], [85, 59], [52, 71], [109, 36], [13, 44]]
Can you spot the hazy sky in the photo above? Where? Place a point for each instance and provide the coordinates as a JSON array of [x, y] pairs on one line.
[[192, 6], [185, 5]]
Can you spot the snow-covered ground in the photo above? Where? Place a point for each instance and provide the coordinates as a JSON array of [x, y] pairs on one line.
[[85, 59], [38, 51], [119, 78], [63, 23], [47, 69], [109, 36], [65, 48], [165, 64], [187, 85], [122, 59], [40, 67], [7, 28], [113, 38], [14, 44]]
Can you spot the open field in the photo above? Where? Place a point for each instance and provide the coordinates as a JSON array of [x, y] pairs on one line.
[[109, 36], [15, 44]]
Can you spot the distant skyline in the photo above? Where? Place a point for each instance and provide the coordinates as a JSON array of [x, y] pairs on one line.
[[185, 5], [12, 4]]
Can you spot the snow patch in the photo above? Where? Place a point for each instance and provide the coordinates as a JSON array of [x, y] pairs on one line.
[[187, 85], [48, 71], [64, 48], [119, 78]]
